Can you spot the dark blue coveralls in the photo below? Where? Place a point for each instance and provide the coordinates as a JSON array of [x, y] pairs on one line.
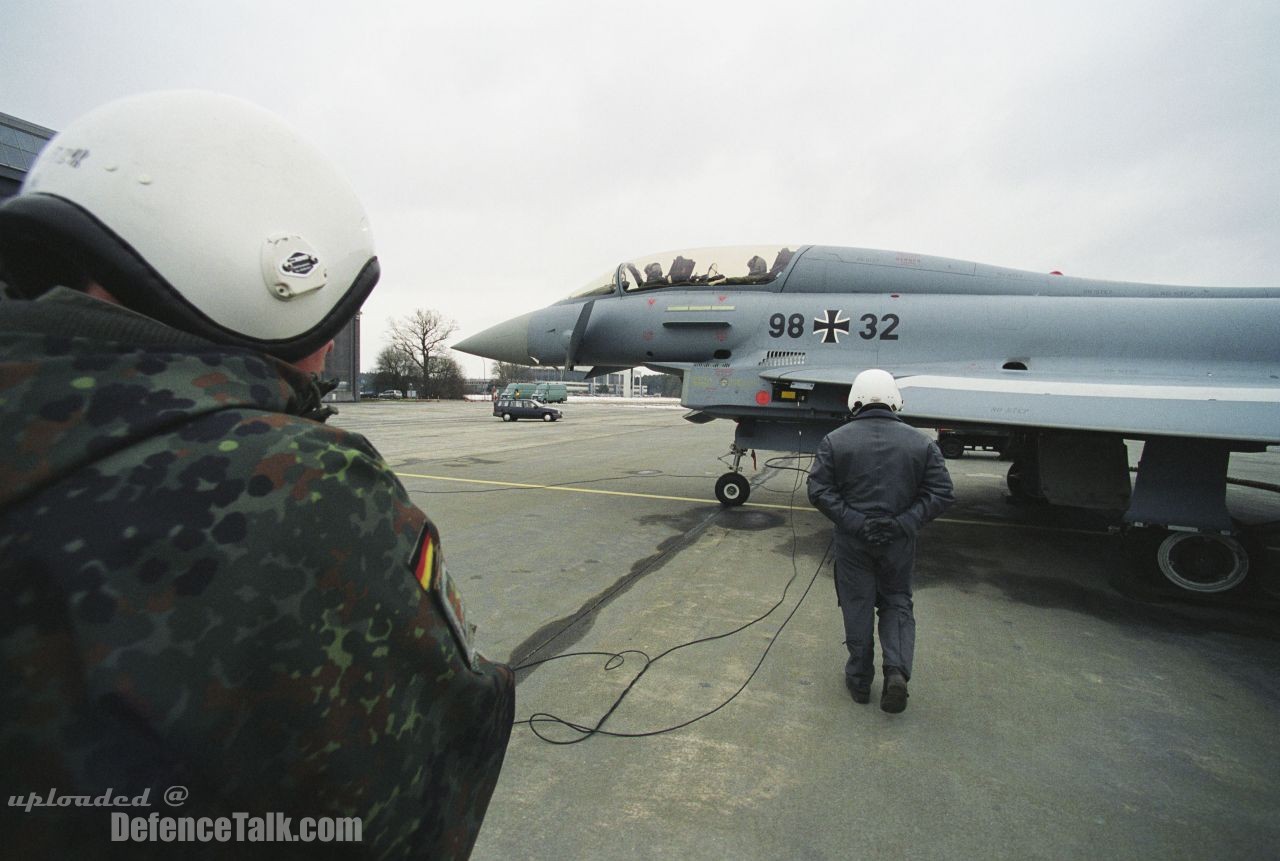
[[877, 466]]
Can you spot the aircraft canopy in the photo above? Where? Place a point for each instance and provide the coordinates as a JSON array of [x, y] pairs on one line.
[[714, 267]]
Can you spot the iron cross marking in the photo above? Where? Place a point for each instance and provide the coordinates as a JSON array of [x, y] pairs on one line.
[[831, 327]]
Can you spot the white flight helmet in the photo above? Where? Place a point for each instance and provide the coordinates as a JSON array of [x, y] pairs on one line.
[[874, 386], [202, 211]]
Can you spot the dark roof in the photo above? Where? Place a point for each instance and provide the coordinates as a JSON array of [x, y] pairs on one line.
[[20, 143]]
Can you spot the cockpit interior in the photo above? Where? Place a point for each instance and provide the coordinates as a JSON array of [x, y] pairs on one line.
[[744, 265]]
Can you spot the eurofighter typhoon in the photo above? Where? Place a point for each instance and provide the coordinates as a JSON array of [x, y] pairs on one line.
[[772, 338]]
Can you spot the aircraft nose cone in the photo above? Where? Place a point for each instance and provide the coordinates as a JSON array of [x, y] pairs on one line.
[[506, 342]]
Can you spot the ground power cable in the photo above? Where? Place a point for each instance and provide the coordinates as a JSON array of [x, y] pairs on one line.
[[617, 659]]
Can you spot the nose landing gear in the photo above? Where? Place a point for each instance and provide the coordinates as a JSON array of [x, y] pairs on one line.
[[732, 488]]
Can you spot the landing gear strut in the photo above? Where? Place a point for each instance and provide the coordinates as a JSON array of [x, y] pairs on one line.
[[732, 489], [1024, 483]]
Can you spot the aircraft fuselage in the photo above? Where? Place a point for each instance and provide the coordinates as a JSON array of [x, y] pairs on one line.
[[846, 310]]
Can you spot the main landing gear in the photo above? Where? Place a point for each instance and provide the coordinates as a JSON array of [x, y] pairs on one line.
[[1205, 562], [1174, 520], [1024, 485], [732, 488]]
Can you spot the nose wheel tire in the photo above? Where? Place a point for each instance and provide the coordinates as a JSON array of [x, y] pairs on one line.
[[1203, 561], [732, 489]]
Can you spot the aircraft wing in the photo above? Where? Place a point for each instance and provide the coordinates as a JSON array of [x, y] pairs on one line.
[[1232, 409]]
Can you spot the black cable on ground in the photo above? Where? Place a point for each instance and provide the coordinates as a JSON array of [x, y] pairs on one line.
[[617, 659]]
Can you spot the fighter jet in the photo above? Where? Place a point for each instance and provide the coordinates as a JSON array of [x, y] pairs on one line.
[[772, 337]]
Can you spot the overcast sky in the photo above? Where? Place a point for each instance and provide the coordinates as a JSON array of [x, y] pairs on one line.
[[507, 152]]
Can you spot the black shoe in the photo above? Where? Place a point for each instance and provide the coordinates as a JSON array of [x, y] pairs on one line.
[[862, 696], [894, 698]]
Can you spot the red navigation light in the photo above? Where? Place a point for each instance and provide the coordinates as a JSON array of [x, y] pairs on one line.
[[762, 398]]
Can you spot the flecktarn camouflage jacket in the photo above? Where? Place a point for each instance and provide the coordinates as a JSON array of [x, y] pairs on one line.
[[205, 590]]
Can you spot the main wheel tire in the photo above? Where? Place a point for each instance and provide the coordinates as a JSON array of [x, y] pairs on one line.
[[952, 449], [1016, 479], [1205, 562], [732, 489]]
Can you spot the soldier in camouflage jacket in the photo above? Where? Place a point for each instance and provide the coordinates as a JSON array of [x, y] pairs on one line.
[[209, 588]]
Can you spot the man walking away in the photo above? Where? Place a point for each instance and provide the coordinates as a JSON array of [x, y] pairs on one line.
[[878, 480]]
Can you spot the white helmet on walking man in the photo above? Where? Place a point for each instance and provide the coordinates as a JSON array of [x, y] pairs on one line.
[[874, 386]]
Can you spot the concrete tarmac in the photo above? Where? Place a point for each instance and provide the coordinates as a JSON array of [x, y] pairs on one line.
[[1061, 707]]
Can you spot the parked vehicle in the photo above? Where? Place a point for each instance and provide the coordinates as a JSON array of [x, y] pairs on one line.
[[515, 391], [512, 409], [391, 394], [551, 393]]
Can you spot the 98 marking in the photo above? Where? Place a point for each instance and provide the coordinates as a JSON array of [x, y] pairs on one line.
[[793, 325]]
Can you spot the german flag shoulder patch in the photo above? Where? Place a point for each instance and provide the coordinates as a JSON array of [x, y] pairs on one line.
[[427, 565]]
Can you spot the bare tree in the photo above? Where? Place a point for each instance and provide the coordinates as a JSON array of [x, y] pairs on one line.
[[420, 337], [447, 378], [506, 372], [393, 370]]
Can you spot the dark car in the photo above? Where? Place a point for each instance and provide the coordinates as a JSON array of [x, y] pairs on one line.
[[953, 442], [524, 408]]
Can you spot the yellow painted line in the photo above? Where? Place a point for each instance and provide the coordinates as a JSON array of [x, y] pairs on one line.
[[514, 484], [801, 508]]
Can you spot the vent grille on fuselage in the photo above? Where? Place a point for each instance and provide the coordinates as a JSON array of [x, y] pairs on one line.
[[780, 358]]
